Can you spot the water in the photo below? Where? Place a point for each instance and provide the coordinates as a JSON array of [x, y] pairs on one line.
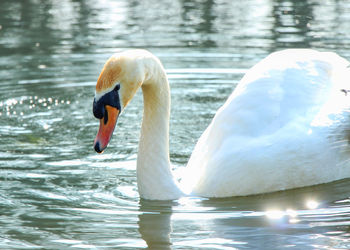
[[56, 192]]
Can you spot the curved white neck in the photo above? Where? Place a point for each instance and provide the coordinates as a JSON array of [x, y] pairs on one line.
[[154, 177]]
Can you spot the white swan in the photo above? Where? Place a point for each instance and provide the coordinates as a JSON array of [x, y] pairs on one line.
[[286, 125]]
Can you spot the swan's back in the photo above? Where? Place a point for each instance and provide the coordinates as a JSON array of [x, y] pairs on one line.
[[278, 128]]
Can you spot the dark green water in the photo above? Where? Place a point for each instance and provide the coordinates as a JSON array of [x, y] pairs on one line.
[[56, 192]]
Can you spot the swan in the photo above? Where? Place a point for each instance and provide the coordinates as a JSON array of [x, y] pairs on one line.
[[285, 126]]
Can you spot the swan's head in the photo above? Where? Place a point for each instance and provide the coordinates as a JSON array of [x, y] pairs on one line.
[[118, 82]]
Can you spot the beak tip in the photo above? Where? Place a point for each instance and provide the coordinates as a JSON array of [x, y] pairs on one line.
[[97, 148], [106, 129]]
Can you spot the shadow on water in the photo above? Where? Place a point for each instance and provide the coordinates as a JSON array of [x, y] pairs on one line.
[[295, 210]]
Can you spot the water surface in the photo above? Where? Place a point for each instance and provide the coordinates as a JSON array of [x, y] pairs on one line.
[[56, 192]]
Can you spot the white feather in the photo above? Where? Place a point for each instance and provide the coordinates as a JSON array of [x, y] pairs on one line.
[[275, 131]]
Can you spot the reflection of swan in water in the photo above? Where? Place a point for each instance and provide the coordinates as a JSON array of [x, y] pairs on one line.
[[155, 224], [233, 221], [283, 127]]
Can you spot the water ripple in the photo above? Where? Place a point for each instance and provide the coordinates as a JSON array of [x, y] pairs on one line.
[[57, 193]]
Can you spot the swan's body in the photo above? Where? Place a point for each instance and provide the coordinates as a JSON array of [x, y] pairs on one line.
[[284, 126]]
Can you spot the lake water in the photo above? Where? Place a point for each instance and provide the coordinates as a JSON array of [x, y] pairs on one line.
[[56, 192]]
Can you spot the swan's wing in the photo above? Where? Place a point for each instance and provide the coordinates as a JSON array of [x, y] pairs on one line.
[[280, 111]]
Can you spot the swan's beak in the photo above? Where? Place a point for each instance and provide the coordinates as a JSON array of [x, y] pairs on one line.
[[107, 124]]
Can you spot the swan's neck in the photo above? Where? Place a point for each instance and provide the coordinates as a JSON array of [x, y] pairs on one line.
[[154, 177]]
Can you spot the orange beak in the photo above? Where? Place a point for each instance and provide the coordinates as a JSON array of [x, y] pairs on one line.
[[106, 129]]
